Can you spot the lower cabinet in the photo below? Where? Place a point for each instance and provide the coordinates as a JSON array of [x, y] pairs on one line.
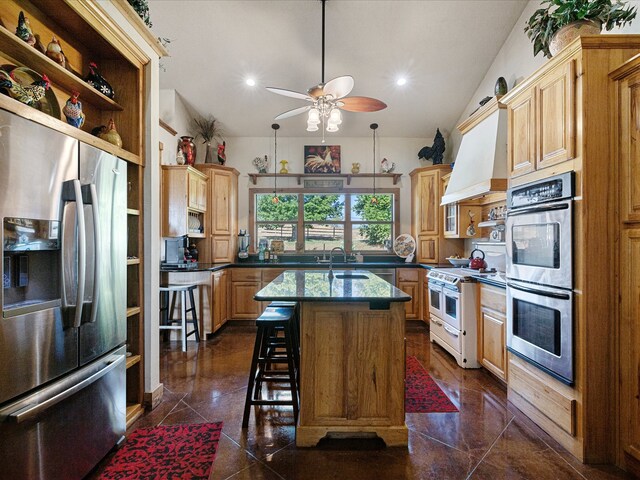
[[220, 297], [245, 283], [492, 330], [408, 280]]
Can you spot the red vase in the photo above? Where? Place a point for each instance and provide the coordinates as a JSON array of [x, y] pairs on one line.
[[188, 149]]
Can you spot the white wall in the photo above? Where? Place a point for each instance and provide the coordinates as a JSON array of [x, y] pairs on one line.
[[515, 62], [174, 113]]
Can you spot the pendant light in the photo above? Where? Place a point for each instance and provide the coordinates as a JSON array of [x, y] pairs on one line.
[[373, 127], [275, 127]]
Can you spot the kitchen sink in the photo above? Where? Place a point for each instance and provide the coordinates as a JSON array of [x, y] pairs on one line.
[[355, 276]]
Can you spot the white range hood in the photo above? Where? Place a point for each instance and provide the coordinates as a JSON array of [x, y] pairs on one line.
[[481, 165]]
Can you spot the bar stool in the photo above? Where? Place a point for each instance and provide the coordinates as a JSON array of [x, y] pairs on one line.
[[266, 352], [166, 312]]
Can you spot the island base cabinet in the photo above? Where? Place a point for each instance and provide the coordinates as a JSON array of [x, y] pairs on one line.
[[352, 372]]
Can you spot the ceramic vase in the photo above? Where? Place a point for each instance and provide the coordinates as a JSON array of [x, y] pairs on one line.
[[570, 32], [284, 168], [501, 86], [188, 149], [208, 158]]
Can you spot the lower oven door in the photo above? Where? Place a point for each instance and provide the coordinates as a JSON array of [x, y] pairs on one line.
[[451, 307], [435, 298], [540, 327]]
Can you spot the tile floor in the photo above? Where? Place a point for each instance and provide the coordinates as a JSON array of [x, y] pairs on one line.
[[487, 439]]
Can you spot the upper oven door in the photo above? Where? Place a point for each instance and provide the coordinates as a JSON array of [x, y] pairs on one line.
[[539, 244], [435, 298], [451, 307]]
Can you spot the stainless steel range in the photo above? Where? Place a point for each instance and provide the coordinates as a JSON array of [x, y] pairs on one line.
[[452, 309]]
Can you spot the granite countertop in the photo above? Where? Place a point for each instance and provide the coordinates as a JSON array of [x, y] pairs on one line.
[[315, 286], [296, 264]]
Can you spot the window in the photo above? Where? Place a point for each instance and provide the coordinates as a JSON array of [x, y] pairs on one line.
[[316, 221]]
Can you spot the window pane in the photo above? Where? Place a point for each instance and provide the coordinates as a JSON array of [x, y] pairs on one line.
[[286, 209], [366, 236], [363, 209], [318, 236], [322, 208], [285, 231]]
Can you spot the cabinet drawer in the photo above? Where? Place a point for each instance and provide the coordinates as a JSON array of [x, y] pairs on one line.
[[408, 274], [245, 275], [269, 274], [447, 333], [493, 298]]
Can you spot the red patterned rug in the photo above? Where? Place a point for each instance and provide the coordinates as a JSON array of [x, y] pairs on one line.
[[166, 452], [422, 393]]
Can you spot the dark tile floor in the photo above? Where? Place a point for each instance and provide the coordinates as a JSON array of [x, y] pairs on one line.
[[487, 439]]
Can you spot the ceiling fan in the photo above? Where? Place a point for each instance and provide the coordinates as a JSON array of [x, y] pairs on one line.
[[327, 99]]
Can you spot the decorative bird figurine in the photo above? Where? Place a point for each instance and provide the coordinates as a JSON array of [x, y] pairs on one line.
[[435, 151], [111, 135], [28, 94], [73, 111], [23, 30], [54, 52], [98, 82], [387, 166], [39, 46]]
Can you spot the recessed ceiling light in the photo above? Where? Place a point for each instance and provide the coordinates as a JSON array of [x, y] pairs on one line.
[[401, 81], [251, 82]]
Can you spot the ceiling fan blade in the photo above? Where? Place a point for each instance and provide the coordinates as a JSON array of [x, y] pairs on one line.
[[291, 113], [290, 93], [339, 87], [361, 104]]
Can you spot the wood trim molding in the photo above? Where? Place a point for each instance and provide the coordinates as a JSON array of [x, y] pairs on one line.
[[137, 23], [481, 113], [167, 127]]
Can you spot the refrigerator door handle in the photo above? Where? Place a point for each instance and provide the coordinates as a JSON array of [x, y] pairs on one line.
[[31, 411], [98, 252], [82, 252]]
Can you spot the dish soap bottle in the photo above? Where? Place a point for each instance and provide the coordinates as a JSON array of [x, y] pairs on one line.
[[261, 253]]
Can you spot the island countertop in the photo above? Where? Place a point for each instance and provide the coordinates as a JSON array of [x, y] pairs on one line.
[[346, 286]]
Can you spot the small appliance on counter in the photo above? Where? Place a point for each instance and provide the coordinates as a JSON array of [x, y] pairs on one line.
[[244, 240], [176, 254]]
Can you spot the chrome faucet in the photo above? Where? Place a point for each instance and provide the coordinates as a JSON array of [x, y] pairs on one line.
[[344, 254]]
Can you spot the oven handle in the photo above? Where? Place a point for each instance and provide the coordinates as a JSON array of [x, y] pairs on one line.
[[561, 296], [538, 209]]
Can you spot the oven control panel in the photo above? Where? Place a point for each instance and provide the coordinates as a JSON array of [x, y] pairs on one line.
[[543, 191]]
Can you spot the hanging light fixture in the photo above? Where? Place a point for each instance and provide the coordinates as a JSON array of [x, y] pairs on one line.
[[373, 127], [275, 127]]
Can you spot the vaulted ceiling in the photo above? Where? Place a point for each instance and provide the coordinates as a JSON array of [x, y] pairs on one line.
[[443, 48]]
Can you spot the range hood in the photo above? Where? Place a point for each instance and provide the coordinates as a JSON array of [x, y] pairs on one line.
[[481, 165]]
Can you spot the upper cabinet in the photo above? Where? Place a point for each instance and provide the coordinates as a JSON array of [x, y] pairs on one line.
[[184, 201], [427, 216], [86, 35], [541, 120]]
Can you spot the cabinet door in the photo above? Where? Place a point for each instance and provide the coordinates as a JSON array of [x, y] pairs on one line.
[[451, 220], [425, 302], [243, 306], [193, 191], [428, 203], [630, 149], [412, 308], [427, 249], [493, 353], [201, 200], [630, 343], [223, 249], [222, 208], [556, 116], [521, 151], [220, 297]]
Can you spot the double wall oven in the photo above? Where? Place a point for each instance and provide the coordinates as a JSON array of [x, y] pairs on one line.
[[540, 274]]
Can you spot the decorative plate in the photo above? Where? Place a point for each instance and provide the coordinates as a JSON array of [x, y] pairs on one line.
[[404, 245], [25, 76]]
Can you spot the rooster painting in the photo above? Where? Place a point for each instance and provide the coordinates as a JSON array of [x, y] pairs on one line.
[[435, 151], [322, 159], [73, 111], [27, 94]]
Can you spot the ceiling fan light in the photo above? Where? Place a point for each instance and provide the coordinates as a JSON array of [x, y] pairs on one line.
[[335, 116], [312, 127], [332, 127], [314, 116]]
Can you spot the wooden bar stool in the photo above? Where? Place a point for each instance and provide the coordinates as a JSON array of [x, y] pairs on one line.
[[267, 351], [167, 322]]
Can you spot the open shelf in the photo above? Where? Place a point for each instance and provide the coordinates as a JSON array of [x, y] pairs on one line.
[[298, 176], [133, 211], [133, 261], [132, 311], [132, 360], [134, 410]]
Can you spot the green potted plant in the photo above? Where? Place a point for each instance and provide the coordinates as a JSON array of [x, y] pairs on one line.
[[574, 18]]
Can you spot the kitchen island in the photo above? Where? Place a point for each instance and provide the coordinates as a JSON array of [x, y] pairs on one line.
[[352, 354]]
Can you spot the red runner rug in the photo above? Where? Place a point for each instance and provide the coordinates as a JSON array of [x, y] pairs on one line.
[[166, 452], [422, 393]]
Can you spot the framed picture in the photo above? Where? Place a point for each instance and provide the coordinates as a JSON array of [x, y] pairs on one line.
[[322, 159]]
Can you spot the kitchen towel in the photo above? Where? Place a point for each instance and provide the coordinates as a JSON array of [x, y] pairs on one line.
[[166, 451], [422, 393]]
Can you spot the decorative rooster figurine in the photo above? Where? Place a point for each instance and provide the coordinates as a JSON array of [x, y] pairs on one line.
[[98, 82], [28, 94], [111, 135], [73, 111], [435, 151], [24, 30], [55, 53]]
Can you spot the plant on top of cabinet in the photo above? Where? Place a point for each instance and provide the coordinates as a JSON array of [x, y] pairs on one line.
[[547, 23], [208, 128]]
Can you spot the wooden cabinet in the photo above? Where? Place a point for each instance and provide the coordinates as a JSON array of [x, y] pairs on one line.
[[86, 35], [427, 216], [492, 350], [458, 218], [245, 283], [542, 121], [184, 201], [578, 120], [409, 281], [221, 219], [220, 302]]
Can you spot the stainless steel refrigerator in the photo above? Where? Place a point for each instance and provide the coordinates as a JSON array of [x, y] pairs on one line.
[[63, 325]]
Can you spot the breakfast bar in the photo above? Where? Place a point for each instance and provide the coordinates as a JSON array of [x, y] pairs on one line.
[[352, 351]]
